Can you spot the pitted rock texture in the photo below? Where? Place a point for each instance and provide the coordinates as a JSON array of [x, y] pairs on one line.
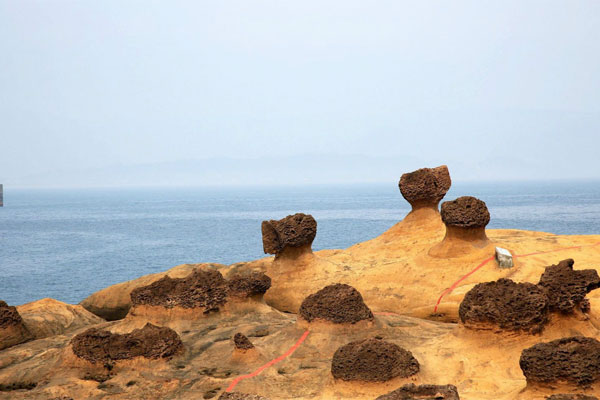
[[249, 284], [338, 303], [571, 397], [241, 342], [425, 186], [9, 316], [567, 288], [422, 392], [201, 289], [240, 396], [152, 342], [509, 305], [12, 328], [465, 212], [296, 230], [573, 359], [372, 360]]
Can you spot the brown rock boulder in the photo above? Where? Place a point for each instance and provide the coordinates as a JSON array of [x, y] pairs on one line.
[[152, 342], [372, 360], [571, 397], [241, 342], [422, 392], [294, 231], [566, 288], [425, 187], [248, 284], [465, 212], [575, 360], [338, 303], [506, 304], [12, 329]]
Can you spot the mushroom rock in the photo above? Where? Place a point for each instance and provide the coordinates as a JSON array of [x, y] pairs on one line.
[[372, 360], [338, 303], [240, 396], [465, 219], [12, 329], [151, 342], [241, 342], [422, 392], [575, 360], [290, 236], [505, 305], [425, 187], [248, 284], [566, 288]]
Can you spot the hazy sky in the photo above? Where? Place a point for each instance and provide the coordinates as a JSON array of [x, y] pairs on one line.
[[112, 92]]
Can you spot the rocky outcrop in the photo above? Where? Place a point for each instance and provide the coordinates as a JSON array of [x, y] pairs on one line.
[[566, 288], [292, 232], [241, 342], [12, 329], [425, 187], [151, 342], [248, 284], [422, 392], [240, 396], [338, 303], [506, 305], [372, 360], [571, 397], [575, 360]]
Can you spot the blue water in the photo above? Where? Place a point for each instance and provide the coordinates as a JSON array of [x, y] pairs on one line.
[[67, 244]]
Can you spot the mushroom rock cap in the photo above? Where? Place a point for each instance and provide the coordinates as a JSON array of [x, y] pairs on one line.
[[465, 212], [372, 360], [573, 359], [422, 392], [567, 288], [338, 303], [12, 328], [509, 305], [294, 231], [249, 284], [240, 396], [152, 342], [241, 342], [201, 289], [425, 186]]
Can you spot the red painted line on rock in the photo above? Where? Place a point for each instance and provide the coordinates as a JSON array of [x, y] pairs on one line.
[[487, 260], [269, 364]]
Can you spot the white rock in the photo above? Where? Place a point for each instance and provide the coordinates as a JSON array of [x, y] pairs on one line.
[[504, 258]]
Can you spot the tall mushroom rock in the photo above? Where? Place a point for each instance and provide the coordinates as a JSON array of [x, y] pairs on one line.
[[291, 235], [425, 187]]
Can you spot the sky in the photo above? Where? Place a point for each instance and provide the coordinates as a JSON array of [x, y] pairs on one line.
[[102, 93]]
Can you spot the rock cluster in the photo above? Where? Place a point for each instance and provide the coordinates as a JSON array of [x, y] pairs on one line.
[[372, 360], [241, 342], [294, 231], [575, 360], [12, 328], [425, 187], [338, 303], [422, 392], [152, 342]]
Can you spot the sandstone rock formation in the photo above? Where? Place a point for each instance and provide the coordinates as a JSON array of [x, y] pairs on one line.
[[12, 329], [248, 284], [422, 392], [425, 187], [338, 303], [152, 342], [240, 396], [241, 342], [571, 397], [295, 232], [372, 360], [506, 305], [573, 359], [566, 288]]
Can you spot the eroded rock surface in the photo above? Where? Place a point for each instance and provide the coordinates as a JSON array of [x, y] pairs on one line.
[[240, 396], [425, 187], [12, 329], [566, 288], [509, 305], [204, 288], [338, 303], [422, 392], [372, 360], [465, 212], [241, 342], [571, 397], [249, 284], [573, 359], [152, 342], [293, 231]]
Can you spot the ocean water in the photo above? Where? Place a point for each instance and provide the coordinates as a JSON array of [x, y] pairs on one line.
[[67, 244]]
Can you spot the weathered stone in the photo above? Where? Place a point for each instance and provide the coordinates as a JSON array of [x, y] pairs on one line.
[[12, 328], [422, 392], [465, 212], [339, 303], [425, 187], [504, 258], [294, 231], [248, 284], [241, 342], [240, 396], [571, 397]]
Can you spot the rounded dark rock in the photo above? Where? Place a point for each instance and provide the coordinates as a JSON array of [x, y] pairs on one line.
[[422, 392], [296, 230], [241, 342], [249, 284], [425, 186], [509, 305], [152, 342], [372, 360], [9, 316], [465, 212], [575, 360], [338, 303]]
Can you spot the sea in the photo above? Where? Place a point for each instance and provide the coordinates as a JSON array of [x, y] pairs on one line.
[[68, 243]]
